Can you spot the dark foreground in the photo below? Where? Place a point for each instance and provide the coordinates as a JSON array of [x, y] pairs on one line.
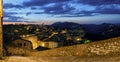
[[61, 59]]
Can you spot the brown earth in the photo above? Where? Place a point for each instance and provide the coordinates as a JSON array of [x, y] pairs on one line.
[[62, 59]]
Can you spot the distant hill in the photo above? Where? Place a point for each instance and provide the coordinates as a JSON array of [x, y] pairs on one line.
[[89, 28], [68, 25], [101, 31], [93, 31]]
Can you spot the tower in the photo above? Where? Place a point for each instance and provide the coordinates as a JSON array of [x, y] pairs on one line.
[[1, 34]]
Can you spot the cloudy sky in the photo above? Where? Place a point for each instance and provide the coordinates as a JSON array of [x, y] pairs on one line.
[[50, 11]]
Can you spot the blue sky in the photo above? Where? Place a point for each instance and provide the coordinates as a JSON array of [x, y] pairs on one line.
[[50, 11]]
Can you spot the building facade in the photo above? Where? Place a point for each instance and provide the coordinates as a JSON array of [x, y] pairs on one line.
[[33, 39], [49, 44], [23, 44]]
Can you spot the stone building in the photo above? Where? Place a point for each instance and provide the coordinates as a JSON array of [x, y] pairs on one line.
[[23, 44], [49, 44], [33, 39]]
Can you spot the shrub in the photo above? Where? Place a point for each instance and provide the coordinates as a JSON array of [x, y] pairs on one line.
[[85, 41]]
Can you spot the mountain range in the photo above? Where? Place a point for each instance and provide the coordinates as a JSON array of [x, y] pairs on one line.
[[93, 31]]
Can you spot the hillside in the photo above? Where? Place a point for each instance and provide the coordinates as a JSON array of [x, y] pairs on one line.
[[94, 32], [103, 47], [100, 51], [68, 25]]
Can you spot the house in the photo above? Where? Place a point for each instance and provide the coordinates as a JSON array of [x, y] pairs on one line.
[[49, 44], [31, 38], [23, 44], [31, 42]]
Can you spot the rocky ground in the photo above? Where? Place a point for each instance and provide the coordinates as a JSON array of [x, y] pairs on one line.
[[61, 59]]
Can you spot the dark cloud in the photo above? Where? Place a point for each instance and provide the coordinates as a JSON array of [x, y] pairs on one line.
[[58, 9], [98, 2], [107, 10], [102, 7], [39, 13], [28, 13], [9, 13], [80, 15], [9, 17], [33, 8], [111, 9], [10, 5], [63, 8], [41, 2]]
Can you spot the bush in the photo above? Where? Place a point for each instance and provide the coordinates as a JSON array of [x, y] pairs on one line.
[[85, 41]]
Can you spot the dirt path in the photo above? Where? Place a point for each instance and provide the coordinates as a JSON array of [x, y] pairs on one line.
[[18, 59], [61, 59]]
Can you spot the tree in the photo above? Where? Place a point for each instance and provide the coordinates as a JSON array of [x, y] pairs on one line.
[[85, 41]]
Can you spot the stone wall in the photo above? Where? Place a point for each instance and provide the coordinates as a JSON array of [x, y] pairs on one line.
[[105, 46], [75, 50], [102, 47], [33, 39]]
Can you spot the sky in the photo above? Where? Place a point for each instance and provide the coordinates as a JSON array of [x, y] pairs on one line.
[[50, 11]]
